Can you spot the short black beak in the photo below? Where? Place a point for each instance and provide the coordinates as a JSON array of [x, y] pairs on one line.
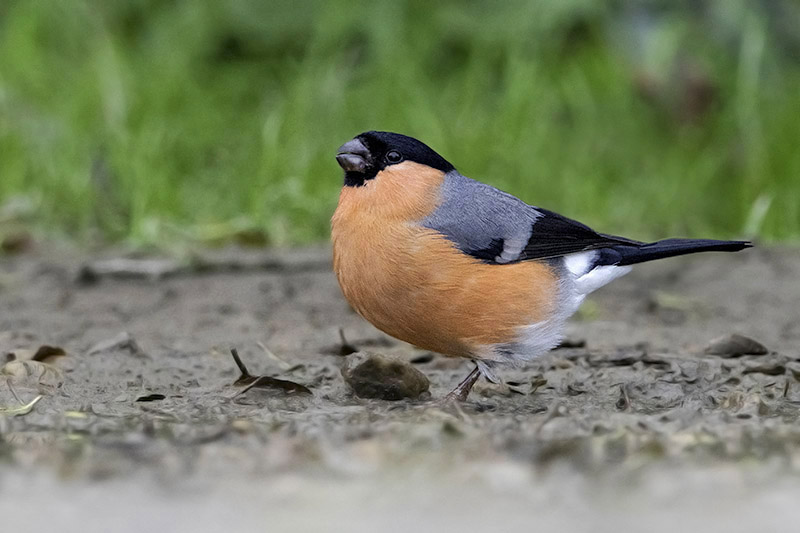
[[353, 156]]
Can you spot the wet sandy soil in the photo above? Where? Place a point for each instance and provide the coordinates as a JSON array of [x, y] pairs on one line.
[[634, 427]]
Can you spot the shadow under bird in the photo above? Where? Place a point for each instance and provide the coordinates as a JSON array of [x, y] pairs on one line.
[[458, 267]]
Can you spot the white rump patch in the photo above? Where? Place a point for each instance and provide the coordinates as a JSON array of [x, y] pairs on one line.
[[599, 276], [580, 263], [588, 279]]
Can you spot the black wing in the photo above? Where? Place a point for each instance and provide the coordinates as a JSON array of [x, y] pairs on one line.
[[553, 235]]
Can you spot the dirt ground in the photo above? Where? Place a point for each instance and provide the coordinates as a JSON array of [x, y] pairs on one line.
[[632, 427]]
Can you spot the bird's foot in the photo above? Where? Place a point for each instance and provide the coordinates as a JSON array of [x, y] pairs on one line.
[[461, 392]]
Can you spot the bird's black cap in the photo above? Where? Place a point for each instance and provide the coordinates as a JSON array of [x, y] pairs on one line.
[[372, 151]]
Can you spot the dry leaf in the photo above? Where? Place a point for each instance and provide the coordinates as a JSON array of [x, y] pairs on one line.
[[44, 354], [151, 398], [267, 382], [264, 382], [32, 374]]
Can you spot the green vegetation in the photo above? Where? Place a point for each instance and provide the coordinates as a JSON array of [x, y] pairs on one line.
[[145, 119]]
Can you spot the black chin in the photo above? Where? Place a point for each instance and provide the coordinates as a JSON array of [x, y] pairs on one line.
[[356, 179]]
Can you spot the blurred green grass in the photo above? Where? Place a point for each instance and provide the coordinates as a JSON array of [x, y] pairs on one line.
[[146, 120]]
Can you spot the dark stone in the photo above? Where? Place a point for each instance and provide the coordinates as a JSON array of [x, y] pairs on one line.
[[376, 376]]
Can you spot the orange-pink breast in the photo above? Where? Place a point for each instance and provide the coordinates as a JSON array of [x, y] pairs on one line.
[[414, 284]]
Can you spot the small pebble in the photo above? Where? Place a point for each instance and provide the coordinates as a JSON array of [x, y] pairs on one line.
[[735, 345], [123, 342]]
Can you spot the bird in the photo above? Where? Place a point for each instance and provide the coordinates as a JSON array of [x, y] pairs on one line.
[[458, 267]]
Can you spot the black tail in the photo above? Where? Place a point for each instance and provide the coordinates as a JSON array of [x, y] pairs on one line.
[[630, 254]]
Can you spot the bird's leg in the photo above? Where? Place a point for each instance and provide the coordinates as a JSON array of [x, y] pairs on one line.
[[461, 392]]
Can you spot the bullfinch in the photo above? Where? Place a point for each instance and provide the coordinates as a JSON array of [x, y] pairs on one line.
[[458, 267]]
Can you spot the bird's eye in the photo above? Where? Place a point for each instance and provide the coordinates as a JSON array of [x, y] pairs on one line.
[[394, 157]]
